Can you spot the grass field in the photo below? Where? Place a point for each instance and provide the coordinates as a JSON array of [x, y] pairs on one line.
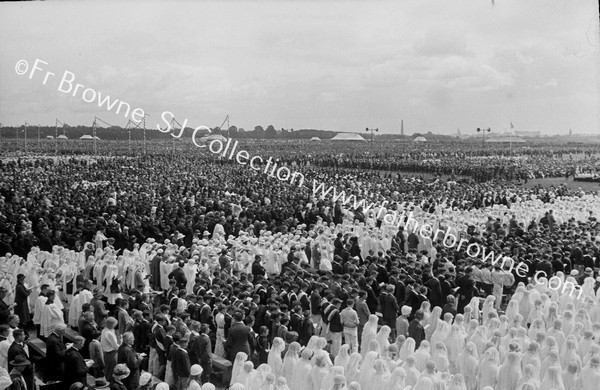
[[557, 181]]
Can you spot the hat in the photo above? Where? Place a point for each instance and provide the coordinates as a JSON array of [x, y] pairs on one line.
[[574, 272], [121, 371], [196, 369], [21, 276], [406, 310], [588, 271], [145, 378], [20, 360], [100, 383]]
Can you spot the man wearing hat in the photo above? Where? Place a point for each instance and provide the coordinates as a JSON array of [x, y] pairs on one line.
[[119, 374], [19, 364], [75, 367]]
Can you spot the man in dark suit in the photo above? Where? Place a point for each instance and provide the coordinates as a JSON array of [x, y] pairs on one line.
[[54, 369], [89, 331], [75, 367], [129, 357], [20, 364], [238, 337], [19, 348]]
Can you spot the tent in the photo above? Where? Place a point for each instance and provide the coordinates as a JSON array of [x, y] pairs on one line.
[[62, 136], [86, 137], [348, 137], [315, 139], [420, 139]]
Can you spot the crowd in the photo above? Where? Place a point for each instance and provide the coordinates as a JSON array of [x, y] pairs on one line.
[[161, 268]]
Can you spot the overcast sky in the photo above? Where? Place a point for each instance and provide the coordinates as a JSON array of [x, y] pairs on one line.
[[439, 65]]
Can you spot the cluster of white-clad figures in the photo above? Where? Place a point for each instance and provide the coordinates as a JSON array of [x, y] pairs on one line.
[[477, 350]]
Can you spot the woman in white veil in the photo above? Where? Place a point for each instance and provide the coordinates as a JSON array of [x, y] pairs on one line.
[[368, 334], [487, 373], [274, 358], [509, 372], [553, 379]]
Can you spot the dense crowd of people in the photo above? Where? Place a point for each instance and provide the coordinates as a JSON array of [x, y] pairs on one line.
[[162, 268]]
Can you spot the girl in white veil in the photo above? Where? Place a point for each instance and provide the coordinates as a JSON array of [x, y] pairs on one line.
[[552, 360], [352, 367], [290, 360], [328, 380], [274, 358], [553, 379], [509, 372], [488, 368], [383, 338], [380, 376], [440, 357], [342, 357], [569, 354], [318, 372], [368, 334], [247, 375], [434, 319], [467, 365], [423, 384], [408, 348], [396, 380], [367, 367], [281, 384], [512, 310], [530, 377], [571, 376], [590, 375], [457, 383], [423, 354], [410, 367], [301, 376], [441, 333], [238, 363]]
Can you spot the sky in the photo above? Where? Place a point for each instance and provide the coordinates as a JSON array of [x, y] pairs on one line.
[[343, 66]]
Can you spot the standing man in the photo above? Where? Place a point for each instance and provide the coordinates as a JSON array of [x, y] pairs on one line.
[[180, 362], [131, 359], [20, 364], [238, 337], [335, 326], [363, 312], [89, 331], [22, 301], [54, 369], [415, 329], [75, 367], [350, 321]]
